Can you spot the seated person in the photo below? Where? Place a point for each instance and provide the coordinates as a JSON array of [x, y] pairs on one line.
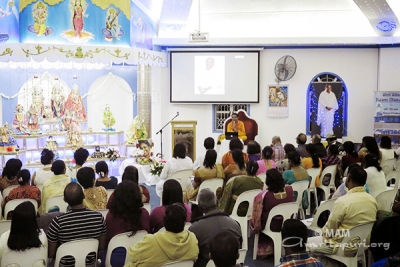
[[236, 126], [294, 238], [175, 244], [224, 250]]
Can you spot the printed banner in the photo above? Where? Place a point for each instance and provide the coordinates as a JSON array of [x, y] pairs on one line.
[[278, 101], [387, 116]]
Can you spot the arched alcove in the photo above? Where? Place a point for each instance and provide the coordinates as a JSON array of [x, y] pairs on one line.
[[318, 115]]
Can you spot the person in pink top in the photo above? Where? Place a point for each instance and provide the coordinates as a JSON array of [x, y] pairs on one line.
[[266, 162]]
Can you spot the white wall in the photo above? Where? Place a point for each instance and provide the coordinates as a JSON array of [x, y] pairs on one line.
[[357, 67], [389, 66]]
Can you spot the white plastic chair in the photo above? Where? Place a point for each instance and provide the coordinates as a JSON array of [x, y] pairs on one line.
[[388, 165], [311, 223], [147, 206], [123, 240], [109, 192], [262, 176], [300, 187], [78, 249], [179, 263], [25, 258], [12, 204], [212, 184], [385, 199], [286, 210], [361, 231], [5, 226], [56, 201], [8, 189], [103, 212], [393, 175], [313, 173], [327, 189], [247, 196], [183, 178]]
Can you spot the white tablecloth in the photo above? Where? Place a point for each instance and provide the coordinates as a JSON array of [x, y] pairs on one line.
[[145, 177]]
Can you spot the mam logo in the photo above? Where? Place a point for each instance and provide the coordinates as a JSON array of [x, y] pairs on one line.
[[330, 233]]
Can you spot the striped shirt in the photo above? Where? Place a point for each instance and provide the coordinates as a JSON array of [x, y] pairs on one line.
[[299, 260], [77, 225]]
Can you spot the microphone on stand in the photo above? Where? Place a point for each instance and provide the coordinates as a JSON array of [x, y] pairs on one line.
[[177, 113]]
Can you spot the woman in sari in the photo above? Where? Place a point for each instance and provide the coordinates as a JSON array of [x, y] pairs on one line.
[[209, 170], [95, 197], [277, 193], [227, 158], [238, 168], [266, 161], [239, 185], [312, 161]]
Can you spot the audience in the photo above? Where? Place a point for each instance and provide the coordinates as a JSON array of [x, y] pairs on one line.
[[233, 189], [54, 186], [355, 208], [332, 140], [332, 158], [301, 140], [351, 155], [386, 148], [131, 173], [319, 147], [178, 162], [104, 180], [42, 174], [209, 143], [174, 244], [312, 161], [283, 165], [279, 152], [210, 170], [369, 146], [276, 194], [294, 239], [376, 180], [172, 193], [24, 232], [266, 161], [213, 222], [80, 157], [227, 158], [296, 172], [9, 175], [78, 223], [224, 250], [238, 168], [342, 189], [24, 190], [253, 150], [95, 197]]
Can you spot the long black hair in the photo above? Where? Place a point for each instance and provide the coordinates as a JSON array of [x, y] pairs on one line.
[[311, 149], [238, 158]]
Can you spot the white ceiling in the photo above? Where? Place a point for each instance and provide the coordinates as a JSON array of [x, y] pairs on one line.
[[275, 22]]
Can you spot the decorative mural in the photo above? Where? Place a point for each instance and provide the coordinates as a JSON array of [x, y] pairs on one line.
[[94, 22], [9, 17], [142, 28]]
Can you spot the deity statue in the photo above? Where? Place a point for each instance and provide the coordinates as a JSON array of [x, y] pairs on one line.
[[51, 144], [75, 105], [19, 122], [74, 139], [7, 140], [33, 118], [57, 101], [108, 117], [48, 113], [137, 130], [69, 123], [38, 99]]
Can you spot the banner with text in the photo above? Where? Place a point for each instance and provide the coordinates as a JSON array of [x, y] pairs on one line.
[[387, 116]]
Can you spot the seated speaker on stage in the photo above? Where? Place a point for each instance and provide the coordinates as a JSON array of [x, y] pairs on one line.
[[235, 126]]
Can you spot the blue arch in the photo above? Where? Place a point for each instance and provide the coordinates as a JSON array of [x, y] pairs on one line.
[[312, 106]]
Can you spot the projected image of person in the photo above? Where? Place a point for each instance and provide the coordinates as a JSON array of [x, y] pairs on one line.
[[209, 75], [327, 105]]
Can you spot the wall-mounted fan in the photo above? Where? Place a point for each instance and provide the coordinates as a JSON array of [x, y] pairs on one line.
[[285, 68]]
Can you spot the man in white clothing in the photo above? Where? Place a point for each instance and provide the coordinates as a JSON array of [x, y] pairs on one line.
[[327, 105]]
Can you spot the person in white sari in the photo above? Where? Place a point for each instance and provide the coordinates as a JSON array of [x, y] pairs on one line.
[[327, 105]]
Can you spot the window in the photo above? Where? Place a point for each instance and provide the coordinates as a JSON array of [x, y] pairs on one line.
[[321, 119], [223, 111]]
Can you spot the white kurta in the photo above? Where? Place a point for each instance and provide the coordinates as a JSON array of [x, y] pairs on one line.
[[325, 116]]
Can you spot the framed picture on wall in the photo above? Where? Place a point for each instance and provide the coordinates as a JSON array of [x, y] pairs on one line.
[[278, 104], [185, 132]]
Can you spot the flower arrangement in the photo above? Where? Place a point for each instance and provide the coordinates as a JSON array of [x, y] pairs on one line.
[[156, 167], [112, 154]]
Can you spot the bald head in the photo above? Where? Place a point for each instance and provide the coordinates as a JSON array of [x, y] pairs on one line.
[[73, 194], [301, 139], [207, 200]]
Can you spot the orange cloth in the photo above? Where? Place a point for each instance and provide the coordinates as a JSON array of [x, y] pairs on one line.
[[228, 159], [240, 129]]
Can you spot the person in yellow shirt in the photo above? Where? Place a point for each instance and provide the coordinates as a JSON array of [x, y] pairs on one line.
[[236, 126]]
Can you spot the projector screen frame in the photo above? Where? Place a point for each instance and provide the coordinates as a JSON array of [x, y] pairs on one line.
[[171, 52]]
